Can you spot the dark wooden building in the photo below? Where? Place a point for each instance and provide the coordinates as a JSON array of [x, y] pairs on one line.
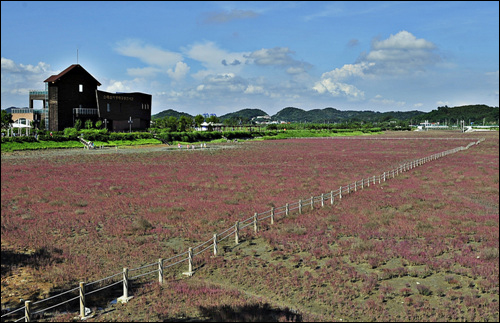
[[124, 111], [72, 95]]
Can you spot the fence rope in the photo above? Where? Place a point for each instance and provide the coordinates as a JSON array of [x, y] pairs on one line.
[[46, 299], [100, 280], [151, 272], [99, 289], [14, 311], [48, 308]]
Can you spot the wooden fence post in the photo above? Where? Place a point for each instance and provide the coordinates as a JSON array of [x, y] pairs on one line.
[[287, 209], [237, 232], [355, 186], [322, 200], [160, 271], [255, 222], [340, 193], [272, 215], [312, 202], [82, 300], [300, 206], [384, 176], [125, 282], [27, 311], [215, 244], [332, 198], [362, 183], [373, 179], [190, 271], [124, 298]]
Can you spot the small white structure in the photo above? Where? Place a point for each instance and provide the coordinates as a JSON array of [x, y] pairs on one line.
[[205, 126], [19, 125]]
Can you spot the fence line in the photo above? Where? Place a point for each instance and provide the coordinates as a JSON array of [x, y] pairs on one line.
[[253, 220]]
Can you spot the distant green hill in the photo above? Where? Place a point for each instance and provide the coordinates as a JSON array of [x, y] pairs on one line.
[[473, 113], [477, 114], [332, 115], [244, 115], [170, 113]]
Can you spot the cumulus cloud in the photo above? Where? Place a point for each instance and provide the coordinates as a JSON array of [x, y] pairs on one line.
[[160, 60], [212, 57], [348, 71], [272, 56], [336, 89], [10, 66], [401, 53], [255, 89], [223, 82], [18, 79], [226, 16], [118, 86], [147, 53], [278, 57], [180, 71], [333, 82]]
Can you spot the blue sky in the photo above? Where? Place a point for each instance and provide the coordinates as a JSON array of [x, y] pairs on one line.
[[220, 57]]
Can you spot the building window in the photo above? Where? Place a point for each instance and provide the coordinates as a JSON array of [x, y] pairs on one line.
[[108, 107], [80, 88]]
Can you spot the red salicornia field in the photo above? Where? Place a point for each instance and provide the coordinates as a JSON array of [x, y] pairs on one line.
[[422, 246]]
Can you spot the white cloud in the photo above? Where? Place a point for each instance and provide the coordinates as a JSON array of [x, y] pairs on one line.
[[255, 89], [214, 60], [331, 82], [348, 71], [279, 56], [147, 53], [19, 79], [402, 40], [180, 71], [399, 54], [402, 53], [118, 86], [9, 65], [160, 61], [328, 85]]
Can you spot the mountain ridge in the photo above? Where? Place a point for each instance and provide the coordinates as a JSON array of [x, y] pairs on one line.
[[470, 113]]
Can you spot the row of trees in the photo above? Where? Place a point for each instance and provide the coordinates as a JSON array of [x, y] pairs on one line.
[[183, 123]]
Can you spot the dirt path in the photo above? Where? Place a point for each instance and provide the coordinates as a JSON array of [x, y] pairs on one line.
[[110, 150]]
